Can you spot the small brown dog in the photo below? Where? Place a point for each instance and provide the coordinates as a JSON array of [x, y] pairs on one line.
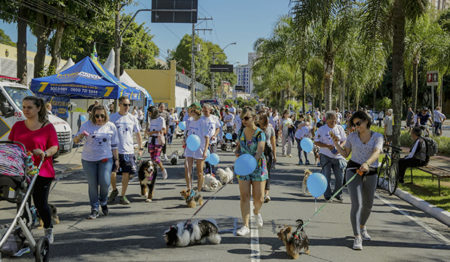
[[294, 240], [54, 215], [191, 198], [305, 190]]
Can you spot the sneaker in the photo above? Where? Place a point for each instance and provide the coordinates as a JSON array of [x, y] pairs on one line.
[[357, 243], [113, 195], [105, 210], [318, 164], [244, 230], [307, 163], [365, 235], [49, 235], [259, 220], [165, 158], [267, 199], [300, 163], [164, 174], [124, 200], [289, 155], [93, 215], [339, 199]]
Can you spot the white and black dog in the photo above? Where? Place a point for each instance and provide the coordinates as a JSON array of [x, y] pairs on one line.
[[147, 177], [193, 232]]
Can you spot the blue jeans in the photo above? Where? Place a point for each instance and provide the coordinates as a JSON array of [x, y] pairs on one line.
[[338, 166], [98, 174], [300, 150]]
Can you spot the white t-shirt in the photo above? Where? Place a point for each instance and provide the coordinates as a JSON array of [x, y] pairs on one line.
[[286, 124], [173, 119], [388, 125], [238, 123], [323, 136], [201, 129], [232, 110], [304, 131], [100, 142], [216, 121], [140, 115], [317, 115], [126, 125], [229, 117], [362, 152], [339, 117], [274, 121], [156, 124], [438, 116]]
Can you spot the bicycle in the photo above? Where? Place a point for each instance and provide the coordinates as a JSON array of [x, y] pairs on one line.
[[388, 170]]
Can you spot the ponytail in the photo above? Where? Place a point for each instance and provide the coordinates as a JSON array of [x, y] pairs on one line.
[[39, 103]]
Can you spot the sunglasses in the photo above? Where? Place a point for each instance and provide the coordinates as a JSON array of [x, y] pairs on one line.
[[100, 116], [247, 118], [357, 123], [126, 104]]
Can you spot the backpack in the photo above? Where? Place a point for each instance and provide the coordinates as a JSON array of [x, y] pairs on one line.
[[432, 148]]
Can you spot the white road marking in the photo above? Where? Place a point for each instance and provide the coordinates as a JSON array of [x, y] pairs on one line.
[[254, 237], [431, 231]]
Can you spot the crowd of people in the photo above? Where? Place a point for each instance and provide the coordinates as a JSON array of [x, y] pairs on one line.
[[109, 150]]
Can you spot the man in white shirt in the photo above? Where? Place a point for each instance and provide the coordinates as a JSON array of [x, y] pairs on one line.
[[228, 119], [388, 128], [126, 125], [329, 156], [338, 116], [213, 124], [439, 119]]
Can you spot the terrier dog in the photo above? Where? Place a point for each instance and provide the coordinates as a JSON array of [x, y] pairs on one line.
[[211, 183], [316, 150], [305, 190], [53, 214], [191, 198], [191, 233], [225, 175], [174, 158], [294, 241], [147, 177]]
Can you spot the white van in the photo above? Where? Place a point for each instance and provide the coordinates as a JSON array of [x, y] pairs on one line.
[[11, 96]]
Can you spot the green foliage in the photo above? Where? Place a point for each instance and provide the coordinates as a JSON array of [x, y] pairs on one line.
[[241, 102], [384, 103], [5, 39], [228, 102], [203, 59]]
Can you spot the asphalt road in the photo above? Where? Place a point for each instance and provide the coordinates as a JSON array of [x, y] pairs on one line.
[[399, 231]]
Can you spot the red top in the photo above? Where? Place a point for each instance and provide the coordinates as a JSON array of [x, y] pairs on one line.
[[43, 138]]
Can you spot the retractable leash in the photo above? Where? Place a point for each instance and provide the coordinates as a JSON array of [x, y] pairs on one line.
[[334, 195]]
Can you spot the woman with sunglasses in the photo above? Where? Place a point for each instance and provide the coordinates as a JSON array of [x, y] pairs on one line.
[[365, 146], [99, 150], [38, 136], [252, 141]]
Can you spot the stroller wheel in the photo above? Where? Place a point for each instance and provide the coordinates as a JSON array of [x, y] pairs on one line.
[[42, 253]]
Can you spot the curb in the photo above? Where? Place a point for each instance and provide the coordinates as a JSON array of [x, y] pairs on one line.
[[434, 211]]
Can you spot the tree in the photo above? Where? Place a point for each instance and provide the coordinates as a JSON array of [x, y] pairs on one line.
[[378, 14], [5, 39]]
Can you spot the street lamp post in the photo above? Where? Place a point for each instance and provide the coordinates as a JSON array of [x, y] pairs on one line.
[[212, 73]]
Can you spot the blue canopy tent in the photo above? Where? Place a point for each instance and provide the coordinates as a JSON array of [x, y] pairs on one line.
[[85, 79]]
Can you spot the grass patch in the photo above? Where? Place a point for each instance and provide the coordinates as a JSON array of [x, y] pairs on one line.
[[427, 189]]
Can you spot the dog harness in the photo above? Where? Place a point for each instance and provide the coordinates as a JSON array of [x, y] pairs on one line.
[[297, 236], [191, 195]]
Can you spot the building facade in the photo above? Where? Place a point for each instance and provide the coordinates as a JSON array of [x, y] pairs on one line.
[[243, 77]]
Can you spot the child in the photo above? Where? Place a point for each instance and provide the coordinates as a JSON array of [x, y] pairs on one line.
[[303, 131]]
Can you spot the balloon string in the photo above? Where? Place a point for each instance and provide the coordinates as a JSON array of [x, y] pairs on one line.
[[315, 204], [317, 211]]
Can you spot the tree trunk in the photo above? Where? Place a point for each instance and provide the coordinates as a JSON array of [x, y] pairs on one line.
[[56, 51], [304, 90], [357, 99], [42, 33], [328, 62], [342, 97], [22, 47], [415, 82], [118, 41], [398, 20], [374, 97]]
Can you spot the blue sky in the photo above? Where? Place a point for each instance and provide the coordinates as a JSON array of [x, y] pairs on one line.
[[241, 21]]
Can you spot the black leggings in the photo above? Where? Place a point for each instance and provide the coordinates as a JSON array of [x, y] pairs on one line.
[[40, 196], [269, 167]]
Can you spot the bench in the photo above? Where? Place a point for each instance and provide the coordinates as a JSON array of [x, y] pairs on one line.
[[437, 172]]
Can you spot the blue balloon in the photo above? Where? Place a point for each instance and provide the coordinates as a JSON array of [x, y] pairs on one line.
[[307, 145], [82, 118], [228, 136], [214, 159], [245, 165], [193, 142], [182, 125], [344, 126], [317, 184], [208, 154]]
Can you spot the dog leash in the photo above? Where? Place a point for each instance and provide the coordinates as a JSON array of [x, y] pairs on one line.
[[204, 204], [334, 195]]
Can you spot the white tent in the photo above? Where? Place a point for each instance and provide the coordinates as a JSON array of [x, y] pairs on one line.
[[125, 78], [109, 64], [68, 64]]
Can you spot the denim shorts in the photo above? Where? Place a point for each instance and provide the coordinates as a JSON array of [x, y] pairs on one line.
[[127, 164]]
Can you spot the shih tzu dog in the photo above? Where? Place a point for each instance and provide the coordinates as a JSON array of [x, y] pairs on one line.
[[305, 190], [211, 183], [225, 175], [53, 214], [192, 198], [294, 240], [147, 177], [193, 232]]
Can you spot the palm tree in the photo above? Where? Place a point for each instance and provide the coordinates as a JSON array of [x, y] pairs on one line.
[[379, 16]]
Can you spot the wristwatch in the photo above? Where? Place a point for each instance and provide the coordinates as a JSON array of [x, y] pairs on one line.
[[45, 154]]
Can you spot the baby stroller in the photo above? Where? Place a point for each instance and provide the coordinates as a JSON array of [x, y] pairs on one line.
[[17, 178]]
